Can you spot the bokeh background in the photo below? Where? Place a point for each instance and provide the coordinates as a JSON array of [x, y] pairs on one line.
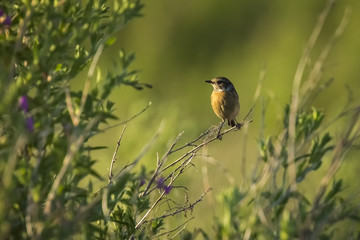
[[180, 44]]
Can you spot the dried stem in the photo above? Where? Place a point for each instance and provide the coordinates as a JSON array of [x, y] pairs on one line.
[[159, 165], [128, 120], [114, 156], [181, 226], [316, 71], [182, 229], [295, 98], [179, 210], [192, 143]]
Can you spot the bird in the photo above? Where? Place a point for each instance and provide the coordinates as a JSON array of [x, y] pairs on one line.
[[225, 101]]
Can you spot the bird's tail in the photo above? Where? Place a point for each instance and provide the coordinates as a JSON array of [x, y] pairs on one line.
[[232, 122]]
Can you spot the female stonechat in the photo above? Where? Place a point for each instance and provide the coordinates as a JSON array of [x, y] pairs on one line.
[[224, 101]]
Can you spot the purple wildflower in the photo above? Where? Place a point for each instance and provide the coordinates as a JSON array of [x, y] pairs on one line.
[[7, 21], [30, 124], [1, 12], [160, 183], [142, 182], [23, 103], [167, 189]]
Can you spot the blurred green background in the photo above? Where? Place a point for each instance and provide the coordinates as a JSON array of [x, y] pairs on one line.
[[179, 44]]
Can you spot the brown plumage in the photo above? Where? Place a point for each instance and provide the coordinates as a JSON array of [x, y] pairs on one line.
[[225, 100]]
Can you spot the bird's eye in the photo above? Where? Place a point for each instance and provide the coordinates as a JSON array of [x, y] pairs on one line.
[[220, 82]]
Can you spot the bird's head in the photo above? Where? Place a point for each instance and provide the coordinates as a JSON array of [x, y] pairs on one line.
[[221, 84]]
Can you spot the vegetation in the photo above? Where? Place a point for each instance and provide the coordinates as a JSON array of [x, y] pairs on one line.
[[47, 163]]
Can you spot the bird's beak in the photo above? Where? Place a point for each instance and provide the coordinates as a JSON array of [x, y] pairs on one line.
[[208, 81]]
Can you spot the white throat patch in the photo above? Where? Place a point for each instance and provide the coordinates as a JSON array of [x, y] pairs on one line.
[[219, 90], [229, 88]]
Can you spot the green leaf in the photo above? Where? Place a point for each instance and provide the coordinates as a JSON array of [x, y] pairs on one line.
[[336, 188], [110, 41]]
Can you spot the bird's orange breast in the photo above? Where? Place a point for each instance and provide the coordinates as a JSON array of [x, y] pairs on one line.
[[225, 104]]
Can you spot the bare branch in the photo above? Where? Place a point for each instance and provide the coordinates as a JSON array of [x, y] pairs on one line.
[[114, 156], [159, 164], [192, 143], [182, 226], [179, 210], [145, 149], [128, 120], [316, 71]]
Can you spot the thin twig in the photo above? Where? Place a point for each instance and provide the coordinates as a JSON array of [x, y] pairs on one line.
[[145, 149], [114, 155], [195, 149], [150, 209], [159, 165], [131, 165], [183, 209], [182, 229], [172, 175], [316, 71], [182, 226], [128, 167], [192, 143], [128, 120]]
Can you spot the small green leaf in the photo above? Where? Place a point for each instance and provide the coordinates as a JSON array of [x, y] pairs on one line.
[[336, 188], [58, 67], [111, 40]]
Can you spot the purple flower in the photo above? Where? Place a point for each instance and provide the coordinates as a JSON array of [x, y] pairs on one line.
[[30, 124], [160, 183], [23, 103], [167, 189], [4, 20], [7, 21], [142, 182]]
